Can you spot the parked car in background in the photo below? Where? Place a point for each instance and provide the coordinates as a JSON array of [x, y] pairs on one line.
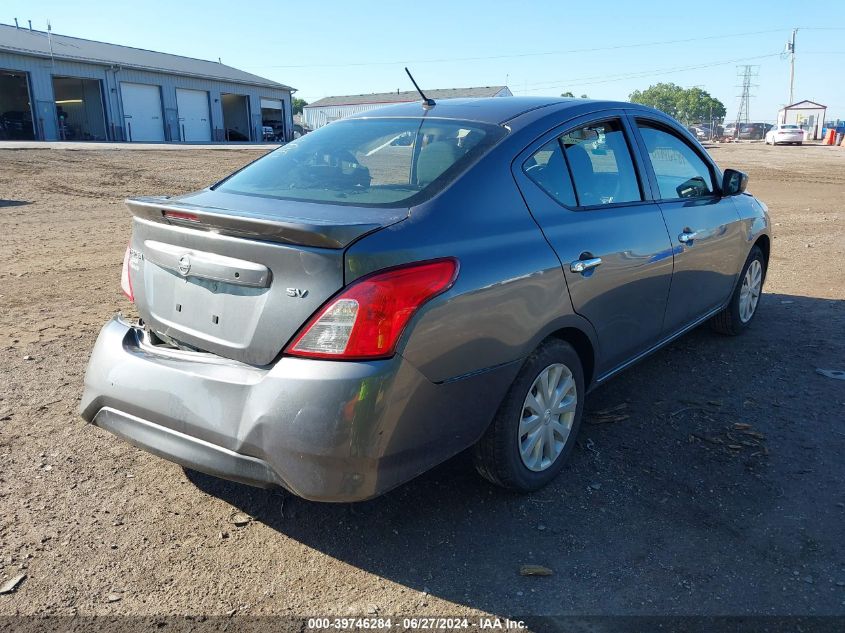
[[729, 130], [707, 131], [324, 320], [701, 132], [785, 133], [754, 131]]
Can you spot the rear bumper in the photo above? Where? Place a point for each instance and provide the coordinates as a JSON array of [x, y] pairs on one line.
[[186, 450], [325, 430]]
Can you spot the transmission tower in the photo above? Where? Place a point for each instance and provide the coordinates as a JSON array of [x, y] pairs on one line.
[[746, 74]]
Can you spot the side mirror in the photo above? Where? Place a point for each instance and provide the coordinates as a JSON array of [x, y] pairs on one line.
[[734, 182]]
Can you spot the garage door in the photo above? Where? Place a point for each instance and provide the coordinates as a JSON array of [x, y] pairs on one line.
[[142, 112], [194, 120]]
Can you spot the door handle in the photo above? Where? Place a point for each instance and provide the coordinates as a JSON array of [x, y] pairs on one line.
[[583, 265], [687, 236]]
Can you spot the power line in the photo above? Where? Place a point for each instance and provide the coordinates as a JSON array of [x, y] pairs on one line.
[[523, 55], [564, 82], [645, 73]]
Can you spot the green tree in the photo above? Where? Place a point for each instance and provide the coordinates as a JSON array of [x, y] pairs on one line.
[[298, 104], [572, 96], [689, 105]]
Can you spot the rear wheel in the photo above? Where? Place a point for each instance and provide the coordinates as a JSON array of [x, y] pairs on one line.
[[745, 299], [531, 436]]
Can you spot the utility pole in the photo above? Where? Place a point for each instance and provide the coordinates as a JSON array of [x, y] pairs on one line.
[[790, 48]]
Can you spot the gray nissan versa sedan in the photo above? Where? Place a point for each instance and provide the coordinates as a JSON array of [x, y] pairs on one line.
[[367, 301]]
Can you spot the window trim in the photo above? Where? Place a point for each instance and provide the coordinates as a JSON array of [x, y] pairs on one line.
[[646, 195], [715, 176]]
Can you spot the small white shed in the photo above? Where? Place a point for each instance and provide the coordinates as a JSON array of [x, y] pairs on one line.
[[808, 115]]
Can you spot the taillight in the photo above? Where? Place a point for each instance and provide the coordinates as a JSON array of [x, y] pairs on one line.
[[126, 278], [366, 319]]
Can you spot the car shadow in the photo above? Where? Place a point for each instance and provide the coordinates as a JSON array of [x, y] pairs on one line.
[[688, 491]]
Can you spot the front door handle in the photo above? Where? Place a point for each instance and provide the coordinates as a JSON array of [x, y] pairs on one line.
[[687, 236], [583, 265]]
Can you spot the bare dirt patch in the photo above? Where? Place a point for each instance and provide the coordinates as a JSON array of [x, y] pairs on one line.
[[708, 479]]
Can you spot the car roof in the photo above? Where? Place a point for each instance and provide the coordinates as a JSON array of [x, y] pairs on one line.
[[492, 110]]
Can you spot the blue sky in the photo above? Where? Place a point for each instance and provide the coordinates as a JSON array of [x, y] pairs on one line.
[[605, 50]]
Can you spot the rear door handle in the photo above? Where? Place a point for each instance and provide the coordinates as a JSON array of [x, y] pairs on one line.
[[583, 265], [687, 236]]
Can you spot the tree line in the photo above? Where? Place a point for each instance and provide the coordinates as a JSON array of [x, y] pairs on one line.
[[688, 105]]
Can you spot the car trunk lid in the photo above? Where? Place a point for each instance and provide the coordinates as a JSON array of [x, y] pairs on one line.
[[238, 275]]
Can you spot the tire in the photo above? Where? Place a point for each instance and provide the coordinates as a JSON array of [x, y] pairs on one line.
[[731, 321], [498, 455]]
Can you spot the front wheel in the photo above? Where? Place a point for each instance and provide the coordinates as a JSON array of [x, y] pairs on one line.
[[745, 299], [533, 432]]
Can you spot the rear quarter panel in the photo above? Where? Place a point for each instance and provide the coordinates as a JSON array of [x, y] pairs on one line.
[[510, 291]]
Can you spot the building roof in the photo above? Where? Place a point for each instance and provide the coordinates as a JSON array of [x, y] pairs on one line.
[[409, 95], [805, 105], [31, 42]]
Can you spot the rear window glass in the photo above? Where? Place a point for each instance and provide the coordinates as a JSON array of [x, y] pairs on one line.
[[601, 164], [789, 127], [371, 162]]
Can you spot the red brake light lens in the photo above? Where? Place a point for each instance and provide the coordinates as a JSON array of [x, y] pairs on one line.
[[181, 215], [126, 278], [366, 319]]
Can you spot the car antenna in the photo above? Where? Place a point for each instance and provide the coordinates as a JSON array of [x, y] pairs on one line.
[[427, 103]]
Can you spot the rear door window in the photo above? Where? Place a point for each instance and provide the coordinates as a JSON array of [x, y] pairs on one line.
[[680, 171], [547, 168], [601, 165]]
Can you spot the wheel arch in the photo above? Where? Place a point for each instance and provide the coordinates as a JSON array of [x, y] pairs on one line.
[[583, 346], [764, 243]]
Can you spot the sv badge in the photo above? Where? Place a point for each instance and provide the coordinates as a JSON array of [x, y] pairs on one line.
[[297, 293]]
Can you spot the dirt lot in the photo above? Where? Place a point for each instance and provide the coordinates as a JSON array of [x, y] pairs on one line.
[[657, 513]]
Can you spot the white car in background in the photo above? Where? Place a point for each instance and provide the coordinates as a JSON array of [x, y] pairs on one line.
[[785, 133]]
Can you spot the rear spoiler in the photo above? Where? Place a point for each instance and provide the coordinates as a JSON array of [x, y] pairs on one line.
[[303, 232]]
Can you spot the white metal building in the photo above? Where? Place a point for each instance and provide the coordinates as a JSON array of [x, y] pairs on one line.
[[56, 87], [808, 115], [330, 109]]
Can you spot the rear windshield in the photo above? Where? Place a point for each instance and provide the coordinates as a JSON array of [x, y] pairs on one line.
[[789, 127], [371, 162]]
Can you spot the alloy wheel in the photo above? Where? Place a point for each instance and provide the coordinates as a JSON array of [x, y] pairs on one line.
[[749, 292], [547, 417]]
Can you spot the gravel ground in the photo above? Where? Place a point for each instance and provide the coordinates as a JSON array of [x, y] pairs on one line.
[[708, 479]]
